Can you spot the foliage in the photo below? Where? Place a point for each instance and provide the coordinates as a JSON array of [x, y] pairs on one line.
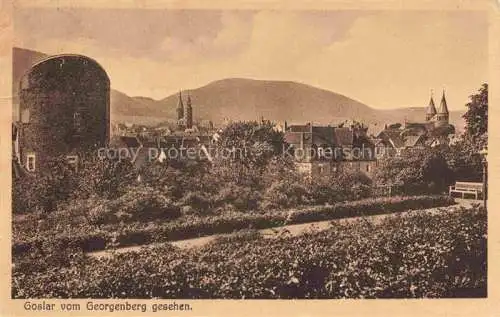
[[285, 193], [241, 197], [416, 171], [352, 185], [77, 231], [412, 256], [254, 143], [197, 200], [43, 191], [139, 203], [464, 160], [144, 203], [279, 167], [103, 176], [58, 183], [476, 117], [49, 254]]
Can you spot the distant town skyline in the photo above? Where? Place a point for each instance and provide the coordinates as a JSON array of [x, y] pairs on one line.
[[385, 59]]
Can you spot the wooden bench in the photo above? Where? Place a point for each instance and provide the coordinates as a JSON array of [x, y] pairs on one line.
[[467, 188]]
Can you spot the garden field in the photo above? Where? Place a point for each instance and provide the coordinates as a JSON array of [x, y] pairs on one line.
[[412, 255]]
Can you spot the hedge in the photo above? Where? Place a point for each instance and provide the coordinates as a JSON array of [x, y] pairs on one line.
[[195, 226]]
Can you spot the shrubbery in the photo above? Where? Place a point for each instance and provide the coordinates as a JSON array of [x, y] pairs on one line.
[[416, 171], [144, 203], [411, 256], [91, 237], [44, 191], [341, 186], [285, 194], [139, 203]]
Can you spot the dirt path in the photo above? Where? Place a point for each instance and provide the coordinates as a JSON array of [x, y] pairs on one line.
[[293, 230]]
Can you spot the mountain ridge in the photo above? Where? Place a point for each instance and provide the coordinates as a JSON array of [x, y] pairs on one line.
[[247, 99]]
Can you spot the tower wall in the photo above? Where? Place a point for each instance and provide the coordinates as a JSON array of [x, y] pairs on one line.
[[442, 119], [65, 108]]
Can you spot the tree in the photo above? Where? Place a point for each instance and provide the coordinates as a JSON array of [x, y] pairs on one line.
[[464, 160], [416, 171], [476, 117], [251, 143], [102, 176]]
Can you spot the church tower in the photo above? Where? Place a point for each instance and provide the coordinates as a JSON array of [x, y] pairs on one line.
[[180, 112], [443, 116], [431, 109], [188, 114]]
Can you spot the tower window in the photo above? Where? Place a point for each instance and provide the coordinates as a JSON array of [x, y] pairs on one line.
[[31, 162], [77, 121], [72, 160], [25, 116]]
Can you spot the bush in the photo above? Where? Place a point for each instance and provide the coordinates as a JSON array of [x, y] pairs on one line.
[[43, 191], [138, 204], [59, 183], [142, 203], [366, 207], [284, 194], [101, 213], [241, 197], [197, 200], [107, 178]]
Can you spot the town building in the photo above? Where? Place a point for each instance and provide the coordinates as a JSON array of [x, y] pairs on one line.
[[322, 150]]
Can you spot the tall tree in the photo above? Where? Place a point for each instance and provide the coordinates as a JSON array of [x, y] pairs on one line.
[[415, 171], [476, 117], [251, 143]]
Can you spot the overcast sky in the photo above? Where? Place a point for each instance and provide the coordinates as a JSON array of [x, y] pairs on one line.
[[385, 59]]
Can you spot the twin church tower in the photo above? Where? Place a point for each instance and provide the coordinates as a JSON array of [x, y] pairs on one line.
[[441, 116], [184, 114]]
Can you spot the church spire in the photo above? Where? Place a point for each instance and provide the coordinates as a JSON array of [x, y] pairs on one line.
[[188, 119], [443, 107], [431, 109], [443, 116], [180, 107]]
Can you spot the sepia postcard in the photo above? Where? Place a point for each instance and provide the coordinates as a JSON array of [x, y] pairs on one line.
[[249, 158]]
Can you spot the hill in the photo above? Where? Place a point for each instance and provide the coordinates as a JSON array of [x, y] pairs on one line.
[[245, 99]]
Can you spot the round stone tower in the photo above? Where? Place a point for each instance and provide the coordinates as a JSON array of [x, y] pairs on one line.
[[64, 109]]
